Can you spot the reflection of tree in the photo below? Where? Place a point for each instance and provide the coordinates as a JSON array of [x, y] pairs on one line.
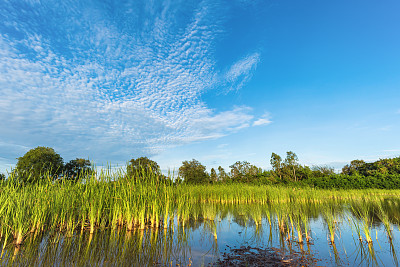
[[163, 246], [116, 247]]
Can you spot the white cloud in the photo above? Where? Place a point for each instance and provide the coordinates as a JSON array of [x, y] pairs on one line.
[[113, 85], [264, 120], [240, 72]]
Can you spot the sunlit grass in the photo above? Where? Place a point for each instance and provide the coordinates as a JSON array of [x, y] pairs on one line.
[[110, 200]]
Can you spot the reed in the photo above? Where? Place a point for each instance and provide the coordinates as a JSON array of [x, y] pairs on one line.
[[331, 221], [384, 217], [109, 199]]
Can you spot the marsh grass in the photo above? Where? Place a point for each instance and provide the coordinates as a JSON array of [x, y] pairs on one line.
[[110, 200]]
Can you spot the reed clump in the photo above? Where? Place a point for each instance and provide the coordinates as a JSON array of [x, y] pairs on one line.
[[113, 200]]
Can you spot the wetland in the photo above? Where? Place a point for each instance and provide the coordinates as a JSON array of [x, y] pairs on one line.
[[105, 221]]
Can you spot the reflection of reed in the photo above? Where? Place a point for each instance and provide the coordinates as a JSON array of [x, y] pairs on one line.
[[331, 220], [107, 200], [336, 254], [393, 252], [133, 248], [164, 239]]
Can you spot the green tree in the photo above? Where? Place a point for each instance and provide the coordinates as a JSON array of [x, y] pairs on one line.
[[222, 176], [354, 168], [77, 168], [193, 172], [276, 163], [389, 166], [322, 170], [290, 165], [243, 171], [381, 167], [213, 175], [2, 176], [142, 167], [39, 163]]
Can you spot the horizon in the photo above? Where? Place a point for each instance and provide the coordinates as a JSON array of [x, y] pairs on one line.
[[216, 81]]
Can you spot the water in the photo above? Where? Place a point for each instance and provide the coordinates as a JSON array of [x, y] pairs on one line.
[[197, 241]]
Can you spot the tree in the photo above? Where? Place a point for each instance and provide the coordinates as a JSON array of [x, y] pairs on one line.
[[322, 170], [213, 175], [380, 167], [142, 167], [383, 167], [354, 167], [222, 176], [291, 164], [238, 170], [193, 172], [2, 176], [76, 168], [243, 171], [39, 163], [276, 163]]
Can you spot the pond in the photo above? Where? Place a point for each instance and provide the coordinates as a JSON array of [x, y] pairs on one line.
[[326, 234]]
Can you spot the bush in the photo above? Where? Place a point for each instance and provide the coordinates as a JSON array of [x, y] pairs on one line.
[[341, 181]]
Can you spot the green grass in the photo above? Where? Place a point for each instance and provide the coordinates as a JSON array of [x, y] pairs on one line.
[[112, 201]]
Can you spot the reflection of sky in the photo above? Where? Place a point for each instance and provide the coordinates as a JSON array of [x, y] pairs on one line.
[[197, 244], [350, 252]]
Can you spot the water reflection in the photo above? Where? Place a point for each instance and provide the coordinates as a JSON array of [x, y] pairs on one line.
[[321, 234]]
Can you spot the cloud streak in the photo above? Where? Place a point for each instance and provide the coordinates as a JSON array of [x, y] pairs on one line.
[[113, 82], [241, 71], [264, 120]]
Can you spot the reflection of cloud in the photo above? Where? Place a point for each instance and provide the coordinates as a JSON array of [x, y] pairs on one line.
[[86, 81]]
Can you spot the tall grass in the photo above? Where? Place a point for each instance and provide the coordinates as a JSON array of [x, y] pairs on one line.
[[111, 200]]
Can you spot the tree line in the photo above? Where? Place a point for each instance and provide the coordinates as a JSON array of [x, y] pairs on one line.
[[42, 162]]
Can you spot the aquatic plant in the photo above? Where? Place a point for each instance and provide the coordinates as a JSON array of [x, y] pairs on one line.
[[112, 200]]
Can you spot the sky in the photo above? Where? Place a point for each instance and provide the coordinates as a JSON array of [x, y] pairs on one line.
[[217, 81]]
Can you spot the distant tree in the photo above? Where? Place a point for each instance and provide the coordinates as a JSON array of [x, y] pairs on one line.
[[222, 176], [380, 167], [383, 167], [193, 172], [213, 175], [354, 168], [238, 170], [142, 167], [291, 164], [243, 171], [39, 163], [322, 170], [2, 176], [76, 168], [276, 163]]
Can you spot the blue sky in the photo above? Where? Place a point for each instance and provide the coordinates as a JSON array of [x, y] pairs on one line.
[[218, 81]]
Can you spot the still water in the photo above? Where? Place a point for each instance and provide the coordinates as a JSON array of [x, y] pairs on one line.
[[234, 232]]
